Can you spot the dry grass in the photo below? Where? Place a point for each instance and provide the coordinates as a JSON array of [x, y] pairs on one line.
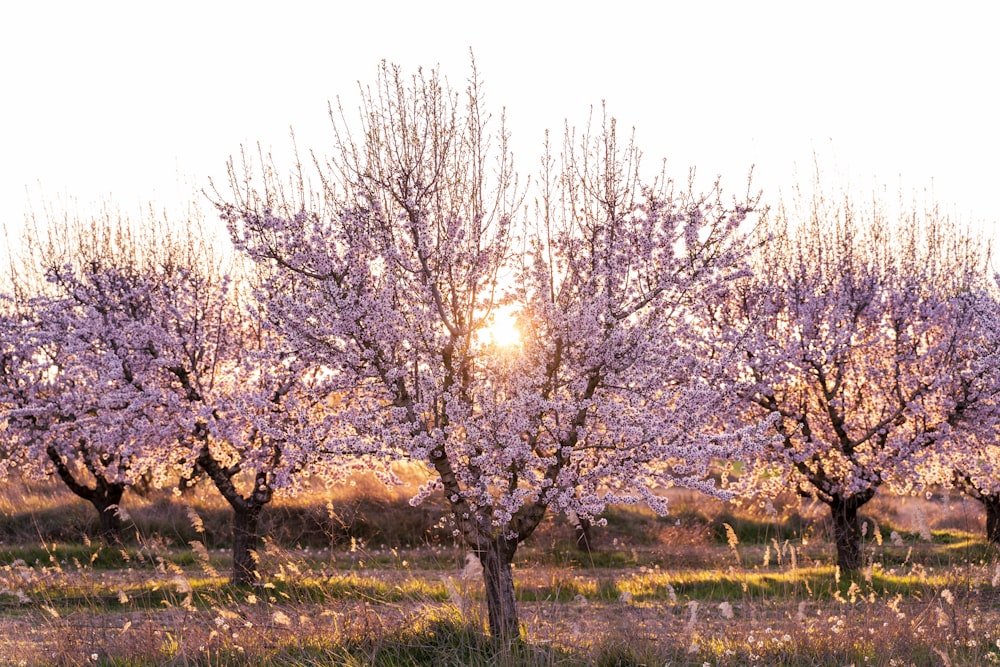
[[359, 577]]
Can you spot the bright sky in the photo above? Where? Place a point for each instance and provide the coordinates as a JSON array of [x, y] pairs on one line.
[[123, 101]]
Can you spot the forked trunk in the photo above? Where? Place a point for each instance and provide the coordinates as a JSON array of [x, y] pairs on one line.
[[847, 531], [105, 497], [245, 540], [496, 557], [246, 514], [992, 504]]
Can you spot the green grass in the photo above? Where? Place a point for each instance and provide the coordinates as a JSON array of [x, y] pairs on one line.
[[95, 556], [816, 584]]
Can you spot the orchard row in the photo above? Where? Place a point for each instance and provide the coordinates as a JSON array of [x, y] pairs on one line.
[[830, 345]]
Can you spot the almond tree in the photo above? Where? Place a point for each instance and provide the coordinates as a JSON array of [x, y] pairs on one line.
[[146, 359], [232, 394], [966, 454], [72, 371], [243, 410], [390, 277], [852, 322]]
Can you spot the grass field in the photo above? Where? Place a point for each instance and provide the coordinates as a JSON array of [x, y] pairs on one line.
[[359, 578]]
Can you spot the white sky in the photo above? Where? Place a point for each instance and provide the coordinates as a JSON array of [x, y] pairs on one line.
[[120, 100]]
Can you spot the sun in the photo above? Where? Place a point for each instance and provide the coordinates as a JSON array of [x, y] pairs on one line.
[[503, 330]]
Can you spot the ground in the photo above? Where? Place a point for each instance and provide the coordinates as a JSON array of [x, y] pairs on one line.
[[711, 584]]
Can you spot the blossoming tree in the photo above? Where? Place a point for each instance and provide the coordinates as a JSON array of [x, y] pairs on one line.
[[73, 372], [966, 454], [140, 357], [241, 403], [391, 277], [852, 323]]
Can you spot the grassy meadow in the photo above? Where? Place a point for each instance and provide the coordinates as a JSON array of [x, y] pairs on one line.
[[358, 577]]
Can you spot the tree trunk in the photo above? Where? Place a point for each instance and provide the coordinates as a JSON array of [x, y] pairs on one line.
[[992, 504], [847, 531], [246, 514], [105, 497], [496, 557], [106, 500], [583, 535], [245, 540]]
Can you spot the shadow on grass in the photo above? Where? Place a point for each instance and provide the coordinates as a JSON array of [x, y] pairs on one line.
[[97, 556], [755, 530]]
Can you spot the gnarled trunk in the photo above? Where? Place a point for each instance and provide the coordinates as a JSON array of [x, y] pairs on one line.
[[245, 540], [992, 504], [246, 515], [106, 501], [847, 530], [105, 497], [496, 556]]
